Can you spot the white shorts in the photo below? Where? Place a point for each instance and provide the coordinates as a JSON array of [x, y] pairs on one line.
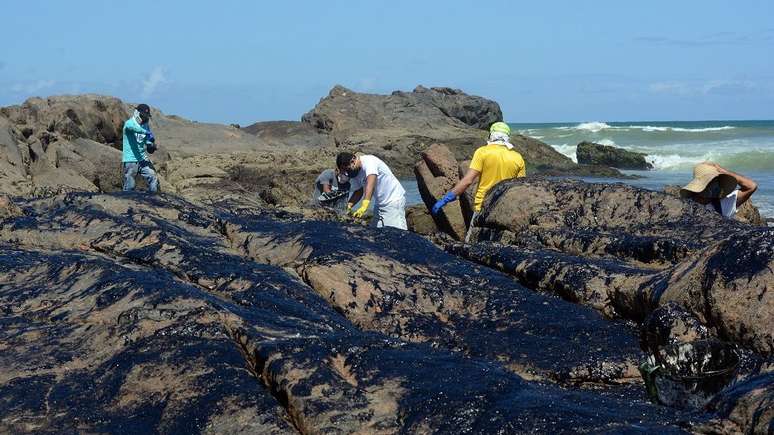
[[392, 214]]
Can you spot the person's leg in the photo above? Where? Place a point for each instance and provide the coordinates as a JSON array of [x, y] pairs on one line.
[[149, 175], [130, 170], [470, 228], [394, 214]]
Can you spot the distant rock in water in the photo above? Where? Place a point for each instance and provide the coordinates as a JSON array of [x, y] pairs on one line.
[[591, 153], [542, 158]]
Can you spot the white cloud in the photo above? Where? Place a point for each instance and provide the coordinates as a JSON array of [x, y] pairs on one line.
[[673, 88], [712, 39], [156, 78], [699, 88], [32, 87]]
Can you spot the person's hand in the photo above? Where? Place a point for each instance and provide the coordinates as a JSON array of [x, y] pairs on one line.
[[150, 137], [363, 208], [349, 207], [719, 168], [449, 197]]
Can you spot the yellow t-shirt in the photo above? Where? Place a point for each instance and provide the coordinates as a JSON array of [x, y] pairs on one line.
[[495, 163]]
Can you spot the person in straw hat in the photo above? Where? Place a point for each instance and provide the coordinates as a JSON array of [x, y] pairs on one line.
[[716, 188]]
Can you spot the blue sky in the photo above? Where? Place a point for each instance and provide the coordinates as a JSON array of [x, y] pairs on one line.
[[231, 61]]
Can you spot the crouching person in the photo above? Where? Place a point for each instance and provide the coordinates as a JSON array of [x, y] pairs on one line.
[[331, 189], [718, 188], [137, 144], [370, 178]]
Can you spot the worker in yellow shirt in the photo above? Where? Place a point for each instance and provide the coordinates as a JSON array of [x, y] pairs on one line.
[[492, 163]]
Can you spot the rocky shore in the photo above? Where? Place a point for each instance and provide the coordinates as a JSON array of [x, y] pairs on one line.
[[227, 305]]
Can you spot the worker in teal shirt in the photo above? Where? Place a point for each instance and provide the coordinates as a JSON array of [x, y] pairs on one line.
[[138, 143]]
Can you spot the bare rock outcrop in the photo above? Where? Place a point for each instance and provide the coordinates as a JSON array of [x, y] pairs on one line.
[[397, 127]]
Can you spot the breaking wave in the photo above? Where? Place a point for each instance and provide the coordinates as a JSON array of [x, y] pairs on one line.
[[597, 126]]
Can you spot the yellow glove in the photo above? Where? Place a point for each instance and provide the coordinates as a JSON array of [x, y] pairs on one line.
[[363, 207]]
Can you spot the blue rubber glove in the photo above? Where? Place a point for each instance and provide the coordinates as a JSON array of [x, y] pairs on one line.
[[149, 137], [449, 197]]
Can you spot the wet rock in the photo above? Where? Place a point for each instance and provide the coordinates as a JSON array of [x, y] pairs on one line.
[[419, 220], [436, 174], [8, 209], [721, 277], [137, 313], [747, 407], [94, 346], [728, 286], [611, 288], [591, 153], [401, 285], [664, 229]]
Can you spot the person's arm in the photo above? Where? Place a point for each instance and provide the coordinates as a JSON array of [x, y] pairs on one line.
[[470, 177], [134, 127], [354, 198], [746, 185], [369, 187], [326, 188], [458, 189], [369, 191]]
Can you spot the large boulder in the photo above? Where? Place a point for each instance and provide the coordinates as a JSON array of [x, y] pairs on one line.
[[399, 126], [421, 110], [591, 153], [436, 174], [96, 117]]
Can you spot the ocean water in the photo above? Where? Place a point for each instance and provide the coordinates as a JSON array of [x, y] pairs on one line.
[[745, 147]]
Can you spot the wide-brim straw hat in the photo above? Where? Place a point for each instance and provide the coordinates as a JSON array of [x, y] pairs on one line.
[[703, 174]]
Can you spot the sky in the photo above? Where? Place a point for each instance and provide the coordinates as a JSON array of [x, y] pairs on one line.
[[550, 61]]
